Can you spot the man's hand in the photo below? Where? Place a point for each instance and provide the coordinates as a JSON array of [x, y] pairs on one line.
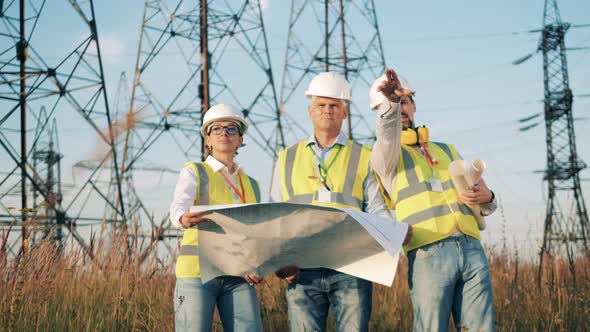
[[478, 194], [253, 279], [409, 235], [392, 88], [189, 219], [289, 273]]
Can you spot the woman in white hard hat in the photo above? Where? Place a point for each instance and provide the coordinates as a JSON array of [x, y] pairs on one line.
[[217, 180]]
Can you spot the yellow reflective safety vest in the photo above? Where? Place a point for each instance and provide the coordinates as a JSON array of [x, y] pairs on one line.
[[211, 190], [300, 180], [434, 214]]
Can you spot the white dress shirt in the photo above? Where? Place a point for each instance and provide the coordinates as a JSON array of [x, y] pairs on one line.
[[186, 188]]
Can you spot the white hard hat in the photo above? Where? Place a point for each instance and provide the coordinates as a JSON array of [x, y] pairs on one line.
[[331, 85], [376, 97], [224, 112]]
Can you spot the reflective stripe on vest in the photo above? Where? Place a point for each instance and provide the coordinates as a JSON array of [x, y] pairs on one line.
[[420, 186], [203, 181], [300, 182], [187, 261], [434, 215], [189, 250]]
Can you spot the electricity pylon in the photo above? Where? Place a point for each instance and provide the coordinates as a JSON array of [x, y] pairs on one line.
[[566, 217], [563, 162], [332, 35], [73, 83], [210, 42], [192, 55]]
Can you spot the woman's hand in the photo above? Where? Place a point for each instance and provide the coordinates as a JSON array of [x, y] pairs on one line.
[[253, 279], [189, 219]]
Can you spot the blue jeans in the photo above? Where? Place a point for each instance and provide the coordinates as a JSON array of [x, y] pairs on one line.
[[447, 277], [309, 299], [194, 304]]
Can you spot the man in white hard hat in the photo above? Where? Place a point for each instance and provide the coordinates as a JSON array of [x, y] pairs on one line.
[[327, 169], [448, 270]]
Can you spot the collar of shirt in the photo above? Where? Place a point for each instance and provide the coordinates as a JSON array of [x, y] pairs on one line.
[[217, 165], [341, 139]]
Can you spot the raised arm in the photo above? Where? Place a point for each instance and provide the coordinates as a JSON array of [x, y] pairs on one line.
[[386, 149]]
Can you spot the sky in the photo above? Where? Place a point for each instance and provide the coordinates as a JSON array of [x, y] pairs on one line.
[[457, 55]]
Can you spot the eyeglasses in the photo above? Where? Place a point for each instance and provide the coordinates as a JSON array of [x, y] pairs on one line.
[[217, 130]]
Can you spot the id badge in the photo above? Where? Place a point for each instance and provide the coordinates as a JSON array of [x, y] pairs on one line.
[[324, 195], [436, 185]]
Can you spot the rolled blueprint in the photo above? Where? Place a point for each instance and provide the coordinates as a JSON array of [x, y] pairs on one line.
[[475, 171], [464, 177]]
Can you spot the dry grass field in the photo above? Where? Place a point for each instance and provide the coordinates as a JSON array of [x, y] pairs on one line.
[[47, 289]]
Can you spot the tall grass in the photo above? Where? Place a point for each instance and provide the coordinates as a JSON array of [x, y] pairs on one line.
[[47, 289]]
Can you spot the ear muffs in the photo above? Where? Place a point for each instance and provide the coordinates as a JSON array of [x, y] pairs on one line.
[[413, 136], [409, 136], [423, 134]]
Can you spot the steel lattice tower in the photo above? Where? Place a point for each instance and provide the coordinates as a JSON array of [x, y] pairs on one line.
[[68, 83], [563, 163], [137, 211], [199, 49], [46, 158], [210, 41], [344, 38]]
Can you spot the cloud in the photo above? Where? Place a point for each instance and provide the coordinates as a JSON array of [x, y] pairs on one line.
[[264, 4], [112, 47]]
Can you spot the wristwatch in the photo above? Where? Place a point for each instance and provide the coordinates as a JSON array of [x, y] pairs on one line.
[[493, 197]]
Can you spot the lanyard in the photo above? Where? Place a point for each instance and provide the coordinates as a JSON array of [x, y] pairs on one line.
[[426, 153], [429, 160], [323, 169], [241, 195]]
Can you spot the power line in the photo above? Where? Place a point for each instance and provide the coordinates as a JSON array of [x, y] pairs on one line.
[[483, 35]]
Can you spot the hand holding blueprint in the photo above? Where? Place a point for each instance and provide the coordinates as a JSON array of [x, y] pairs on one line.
[[464, 177]]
